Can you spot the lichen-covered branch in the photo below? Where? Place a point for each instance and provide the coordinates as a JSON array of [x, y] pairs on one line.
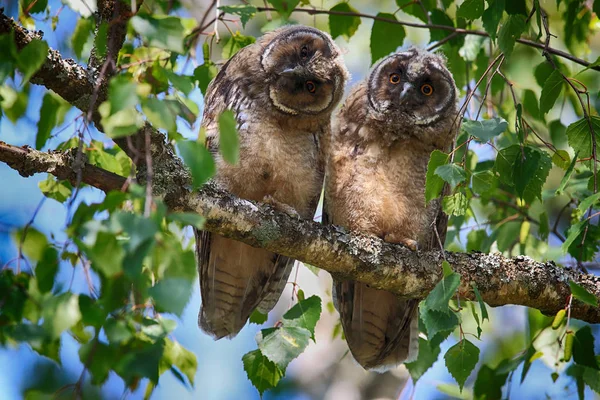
[[28, 161], [500, 280]]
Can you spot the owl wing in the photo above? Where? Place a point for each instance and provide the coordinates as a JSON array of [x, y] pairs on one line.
[[380, 328], [234, 278]]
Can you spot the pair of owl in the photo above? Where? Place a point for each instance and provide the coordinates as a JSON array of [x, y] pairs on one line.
[[283, 90]]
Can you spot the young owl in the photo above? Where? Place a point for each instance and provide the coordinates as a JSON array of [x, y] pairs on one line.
[[282, 90], [375, 184]]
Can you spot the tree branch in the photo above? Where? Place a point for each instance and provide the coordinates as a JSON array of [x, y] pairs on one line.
[[460, 31], [368, 259], [28, 161]]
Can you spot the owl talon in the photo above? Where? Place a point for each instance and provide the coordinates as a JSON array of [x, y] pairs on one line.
[[279, 206], [394, 238]]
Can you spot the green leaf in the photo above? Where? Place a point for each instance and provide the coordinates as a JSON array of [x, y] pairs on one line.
[[60, 313], [171, 294], [245, 11], [32, 242], [581, 294], [550, 91], [81, 34], [484, 182], [34, 6], [281, 345], [461, 360], [491, 17], [31, 58], [567, 175], [456, 204], [438, 299], [160, 31], [580, 137], [178, 356], [199, 160], [427, 355], [105, 253], [187, 218], [46, 269], [489, 383], [562, 159], [305, 314], [574, 231], [516, 7], [229, 143], [258, 318], [530, 104], [583, 348], [410, 7], [433, 183], [484, 313], [438, 324], [588, 202], [159, 114], [102, 362], [204, 74], [183, 83], [438, 17], [510, 31], [235, 43], [470, 9], [263, 373], [343, 25], [284, 7], [121, 123], [59, 191], [477, 240], [52, 113], [142, 362], [385, 37], [524, 168], [451, 173], [486, 129], [118, 331]]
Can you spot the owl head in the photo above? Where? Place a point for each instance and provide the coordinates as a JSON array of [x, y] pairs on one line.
[[304, 69], [414, 87]]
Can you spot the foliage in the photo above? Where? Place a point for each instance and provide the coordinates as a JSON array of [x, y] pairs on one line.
[[522, 180]]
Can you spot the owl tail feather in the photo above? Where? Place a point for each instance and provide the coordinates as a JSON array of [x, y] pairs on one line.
[[381, 330]]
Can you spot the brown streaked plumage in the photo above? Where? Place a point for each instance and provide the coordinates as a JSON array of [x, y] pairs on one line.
[[375, 183], [282, 90]]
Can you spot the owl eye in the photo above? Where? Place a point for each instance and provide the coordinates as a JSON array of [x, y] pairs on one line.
[[304, 52], [310, 86], [394, 79], [427, 89]]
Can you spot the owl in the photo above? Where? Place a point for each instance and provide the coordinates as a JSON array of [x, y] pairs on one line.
[[375, 184], [282, 90]]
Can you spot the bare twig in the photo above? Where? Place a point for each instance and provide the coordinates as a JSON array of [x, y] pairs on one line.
[[461, 31]]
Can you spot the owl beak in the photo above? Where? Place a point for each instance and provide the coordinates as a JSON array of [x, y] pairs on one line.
[[406, 90], [296, 71]]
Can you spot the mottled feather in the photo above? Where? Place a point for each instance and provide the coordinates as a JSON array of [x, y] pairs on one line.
[[375, 181]]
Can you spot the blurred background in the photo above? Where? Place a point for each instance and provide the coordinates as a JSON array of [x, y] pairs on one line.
[[326, 370]]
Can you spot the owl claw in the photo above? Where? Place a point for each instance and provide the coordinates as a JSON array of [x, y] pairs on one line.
[[395, 238], [279, 206]]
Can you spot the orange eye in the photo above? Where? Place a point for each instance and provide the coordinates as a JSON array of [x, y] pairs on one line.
[[310, 86], [394, 79], [427, 89]]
